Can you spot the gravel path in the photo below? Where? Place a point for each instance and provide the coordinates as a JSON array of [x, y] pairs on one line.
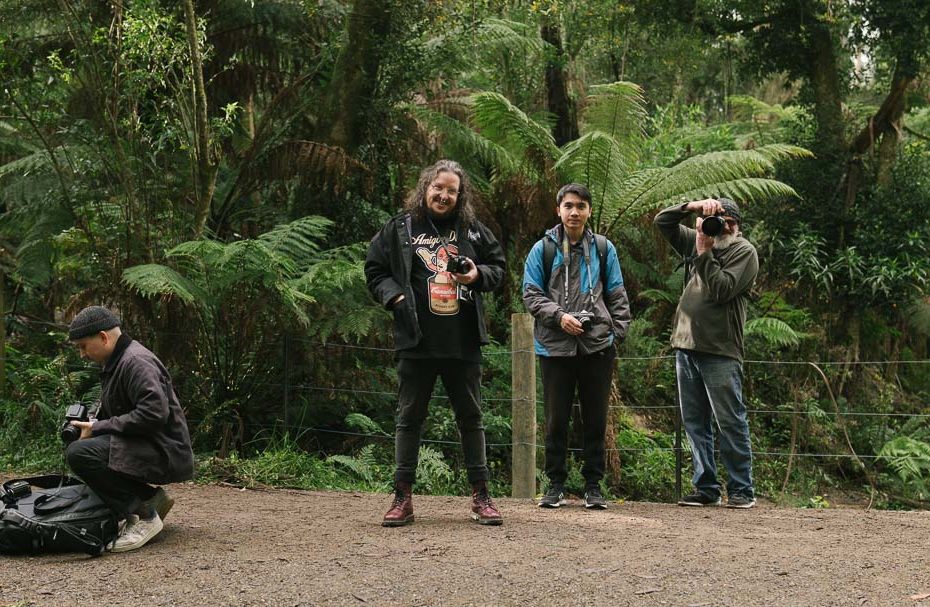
[[225, 546]]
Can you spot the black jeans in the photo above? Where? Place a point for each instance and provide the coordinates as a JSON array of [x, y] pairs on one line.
[[89, 459], [591, 375], [462, 380]]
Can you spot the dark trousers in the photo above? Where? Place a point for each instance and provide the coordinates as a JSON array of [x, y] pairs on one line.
[[89, 459], [591, 375], [463, 384]]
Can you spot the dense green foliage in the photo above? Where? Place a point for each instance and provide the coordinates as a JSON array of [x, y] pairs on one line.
[[214, 170]]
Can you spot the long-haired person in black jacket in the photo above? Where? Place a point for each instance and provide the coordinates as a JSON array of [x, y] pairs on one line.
[[430, 265]]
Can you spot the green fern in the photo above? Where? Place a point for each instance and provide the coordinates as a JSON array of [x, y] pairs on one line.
[[363, 423], [433, 473], [774, 331], [908, 458]]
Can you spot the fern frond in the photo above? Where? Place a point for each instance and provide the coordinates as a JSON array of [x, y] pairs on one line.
[[908, 457], [507, 125], [618, 109], [776, 332], [363, 423], [743, 190], [465, 142], [152, 280], [359, 468], [298, 240]]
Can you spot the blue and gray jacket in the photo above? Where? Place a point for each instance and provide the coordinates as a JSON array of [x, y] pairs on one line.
[[582, 291]]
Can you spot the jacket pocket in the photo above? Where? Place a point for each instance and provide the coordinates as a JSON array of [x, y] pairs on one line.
[[405, 326]]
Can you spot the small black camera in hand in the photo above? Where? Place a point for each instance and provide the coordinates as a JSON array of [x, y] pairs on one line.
[[713, 225], [457, 264], [586, 319], [75, 413]]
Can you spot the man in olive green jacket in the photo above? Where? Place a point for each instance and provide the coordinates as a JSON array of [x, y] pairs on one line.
[[708, 338]]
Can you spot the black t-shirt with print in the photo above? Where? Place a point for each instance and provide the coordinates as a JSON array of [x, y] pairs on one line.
[[447, 315]]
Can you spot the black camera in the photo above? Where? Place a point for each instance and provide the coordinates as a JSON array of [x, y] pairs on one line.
[[585, 318], [713, 225], [457, 264], [12, 491], [75, 413]]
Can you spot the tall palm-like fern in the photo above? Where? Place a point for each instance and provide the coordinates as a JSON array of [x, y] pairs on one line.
[[608, 157]]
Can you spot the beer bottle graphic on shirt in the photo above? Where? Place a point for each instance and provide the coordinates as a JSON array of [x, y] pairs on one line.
[[443, 295]]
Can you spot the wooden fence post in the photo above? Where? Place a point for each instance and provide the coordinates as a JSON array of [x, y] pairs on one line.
[[523, 393]]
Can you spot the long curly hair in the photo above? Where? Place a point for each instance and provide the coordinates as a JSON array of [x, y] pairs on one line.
[[415, 203]]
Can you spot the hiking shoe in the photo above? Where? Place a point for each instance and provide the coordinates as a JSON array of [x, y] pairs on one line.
[[740, 501], [401, 511], [593, 500], [553, 498], [483, 509], [160, 502], [699, 499], [137, 533]]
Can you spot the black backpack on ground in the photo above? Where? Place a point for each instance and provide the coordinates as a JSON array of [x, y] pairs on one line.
[[53, 513]]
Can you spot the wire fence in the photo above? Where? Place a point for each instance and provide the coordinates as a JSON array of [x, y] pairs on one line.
[[290, 390]]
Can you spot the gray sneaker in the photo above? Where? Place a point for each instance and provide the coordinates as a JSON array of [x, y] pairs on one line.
[[699, 499], [553, 498], [137, 533], [593, 500], [739, 500], [161, 502]]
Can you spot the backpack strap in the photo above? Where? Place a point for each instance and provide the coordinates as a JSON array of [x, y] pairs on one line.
[[548, 260], [600, 242]]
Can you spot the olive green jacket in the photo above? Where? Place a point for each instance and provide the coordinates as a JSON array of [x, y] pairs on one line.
[[711, 313]]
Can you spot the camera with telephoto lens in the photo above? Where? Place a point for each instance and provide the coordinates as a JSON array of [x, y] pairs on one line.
[[713, 225], [585, 318], [457, 264], [75, 413]]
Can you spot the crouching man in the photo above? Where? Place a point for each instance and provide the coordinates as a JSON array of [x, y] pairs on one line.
[[140, 434]]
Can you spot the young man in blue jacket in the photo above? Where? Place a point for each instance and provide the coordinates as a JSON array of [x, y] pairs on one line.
[[573, 287], [429, 265]]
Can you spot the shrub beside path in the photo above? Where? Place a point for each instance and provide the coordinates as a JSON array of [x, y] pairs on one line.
[[225, 546]]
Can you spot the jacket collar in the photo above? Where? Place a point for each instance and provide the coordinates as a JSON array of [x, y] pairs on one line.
[[121, 344]]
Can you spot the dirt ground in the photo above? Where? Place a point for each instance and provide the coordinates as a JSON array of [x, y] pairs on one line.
[[226, 546]]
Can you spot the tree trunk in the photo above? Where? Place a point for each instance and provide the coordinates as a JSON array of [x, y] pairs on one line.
[[828, 96], [558, 100], [355, 76], [205, 167]]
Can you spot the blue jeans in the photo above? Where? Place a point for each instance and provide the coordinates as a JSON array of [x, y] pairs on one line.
[[710, 389]]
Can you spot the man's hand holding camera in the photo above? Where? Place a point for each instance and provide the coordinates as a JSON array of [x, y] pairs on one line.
[[85, 428], [704, 208], [462, 263]]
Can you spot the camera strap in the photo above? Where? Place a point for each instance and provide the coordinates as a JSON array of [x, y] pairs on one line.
[[442, 239], [567, 257]]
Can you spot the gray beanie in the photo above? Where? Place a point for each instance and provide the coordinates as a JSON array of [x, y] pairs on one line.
[[731, 209], [90, 321]]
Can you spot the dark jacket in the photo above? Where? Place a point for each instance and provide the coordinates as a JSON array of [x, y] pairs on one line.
[[390, 262], [547, 303], [150, 441], [711, 313]]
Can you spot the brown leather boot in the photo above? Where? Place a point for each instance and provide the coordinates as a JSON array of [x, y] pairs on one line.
[[401, 511], [483, 509]]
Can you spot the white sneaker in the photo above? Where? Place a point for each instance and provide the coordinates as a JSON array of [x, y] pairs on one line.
[[137, 532]]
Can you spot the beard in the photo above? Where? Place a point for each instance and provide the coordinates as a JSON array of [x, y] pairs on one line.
[[724, 241]]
